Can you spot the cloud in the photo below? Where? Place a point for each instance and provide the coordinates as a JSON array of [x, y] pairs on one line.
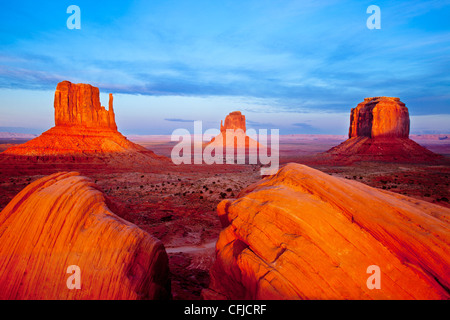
[[311, 57], [178, 120], [264, 125], [306, 128], [19, 78], [21, 130]]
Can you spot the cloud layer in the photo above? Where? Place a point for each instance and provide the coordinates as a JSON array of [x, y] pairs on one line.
[[289, 56]]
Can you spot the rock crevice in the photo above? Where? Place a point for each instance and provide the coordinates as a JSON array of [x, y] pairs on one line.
[[302, 234], [62, 220]]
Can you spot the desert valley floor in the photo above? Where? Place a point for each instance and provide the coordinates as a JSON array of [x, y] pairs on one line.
[[177, 204]]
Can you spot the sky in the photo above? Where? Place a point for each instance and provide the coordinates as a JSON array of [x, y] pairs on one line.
[[297, 66]]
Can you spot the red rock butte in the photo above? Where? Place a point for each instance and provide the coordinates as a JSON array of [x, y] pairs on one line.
[[379, 131], [379, 117], [62, 220], [303, 234], [79, 105], [234, 122], [83, 130]]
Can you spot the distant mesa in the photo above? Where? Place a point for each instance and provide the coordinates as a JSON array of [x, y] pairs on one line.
[[63, 220], [379, 117], [234, 123], [83, 130], [379, 131], [303, 234]]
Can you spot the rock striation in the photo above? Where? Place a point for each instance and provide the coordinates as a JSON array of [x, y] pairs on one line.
[[62, 220], [302, 234], [79, 105], [379, 131], [233, 121], [83, 130], [379, 117]]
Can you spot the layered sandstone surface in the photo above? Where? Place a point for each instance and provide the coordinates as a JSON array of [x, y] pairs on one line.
[[379, 131], [302, 234], [62, 220], [83, 130]]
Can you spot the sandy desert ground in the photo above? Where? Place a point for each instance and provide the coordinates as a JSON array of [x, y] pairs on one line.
[[178, 204]]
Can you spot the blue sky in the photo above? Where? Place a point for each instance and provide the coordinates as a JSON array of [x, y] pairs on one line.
[[299, 66]]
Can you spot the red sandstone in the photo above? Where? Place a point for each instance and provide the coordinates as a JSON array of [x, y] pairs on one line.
[[379, 131], [234, 123], [379, 117], [62, 220], [302, 234], [83, 129]]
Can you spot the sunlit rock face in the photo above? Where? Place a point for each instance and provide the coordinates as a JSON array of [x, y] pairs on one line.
[[83, 129], [79, 104], [379, 117], [233, 121], [379, 131], [62, 220], [303, 234], [236, 138]]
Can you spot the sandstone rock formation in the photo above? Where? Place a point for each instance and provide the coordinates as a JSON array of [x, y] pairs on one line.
[[83, 130], [302, 234], [233, 121], [62, 220], [379, 131], [379, 117], [234, 124], [79, 104]]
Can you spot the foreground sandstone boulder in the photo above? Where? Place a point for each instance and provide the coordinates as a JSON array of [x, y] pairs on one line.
[[379, 131], [302, 234], [84, 131], [62, 220]]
